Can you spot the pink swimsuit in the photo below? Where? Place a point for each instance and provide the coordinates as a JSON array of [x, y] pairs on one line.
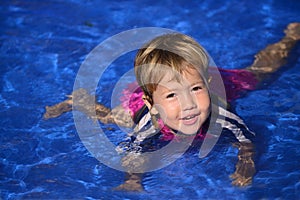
[[236, 82]]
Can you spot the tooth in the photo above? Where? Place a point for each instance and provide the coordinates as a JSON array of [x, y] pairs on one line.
[[189, 117]]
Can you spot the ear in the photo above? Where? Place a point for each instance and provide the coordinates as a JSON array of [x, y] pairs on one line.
[[154, 111], [149, 105]]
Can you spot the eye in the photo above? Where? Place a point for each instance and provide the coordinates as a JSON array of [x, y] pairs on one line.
[[197, 88], [171, 95]]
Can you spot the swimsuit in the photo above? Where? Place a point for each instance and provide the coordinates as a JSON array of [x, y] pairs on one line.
[[146, 136]]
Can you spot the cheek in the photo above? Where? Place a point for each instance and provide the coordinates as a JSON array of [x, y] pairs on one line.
[[203, 102], [165, 109]]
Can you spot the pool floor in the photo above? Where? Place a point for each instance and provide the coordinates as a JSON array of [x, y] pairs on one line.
[[43, 44]]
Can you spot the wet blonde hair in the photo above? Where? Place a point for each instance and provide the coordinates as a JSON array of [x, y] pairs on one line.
[[173, 53]]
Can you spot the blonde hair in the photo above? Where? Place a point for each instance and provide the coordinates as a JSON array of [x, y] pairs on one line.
[[176, 52]]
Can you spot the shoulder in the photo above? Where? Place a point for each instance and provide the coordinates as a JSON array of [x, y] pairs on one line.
[[235, 125]]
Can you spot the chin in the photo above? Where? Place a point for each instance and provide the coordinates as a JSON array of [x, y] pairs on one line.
[[191, 130]]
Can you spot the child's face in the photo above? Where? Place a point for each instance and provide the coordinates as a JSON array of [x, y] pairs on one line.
[[184, 105]]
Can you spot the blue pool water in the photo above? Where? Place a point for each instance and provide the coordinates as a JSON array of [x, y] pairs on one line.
[[43, 44]]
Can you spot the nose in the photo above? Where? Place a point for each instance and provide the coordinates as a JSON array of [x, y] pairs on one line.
[[188, 102]]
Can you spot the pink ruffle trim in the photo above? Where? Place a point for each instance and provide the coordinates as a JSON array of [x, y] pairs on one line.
[[132, 100]]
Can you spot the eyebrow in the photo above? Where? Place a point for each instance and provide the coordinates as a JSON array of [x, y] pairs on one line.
[[171, 89], [198, 82]]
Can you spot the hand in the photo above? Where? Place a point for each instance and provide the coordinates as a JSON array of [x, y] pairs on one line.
[[58, 109], [130, 185], [245, 167], [293, 31]]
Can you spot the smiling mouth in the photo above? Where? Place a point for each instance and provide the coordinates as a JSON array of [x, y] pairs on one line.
[[188, 117], [191, 119]]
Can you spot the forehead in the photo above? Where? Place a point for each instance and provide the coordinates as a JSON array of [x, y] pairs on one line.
[[187, 77]]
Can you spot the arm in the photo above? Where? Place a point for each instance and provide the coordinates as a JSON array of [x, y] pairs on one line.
[[133, 181], [275, 55], [133, 162], [266, 61], [245, 167], [85, 103]]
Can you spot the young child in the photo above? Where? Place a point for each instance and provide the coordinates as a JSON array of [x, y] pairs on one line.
[[176, 101]]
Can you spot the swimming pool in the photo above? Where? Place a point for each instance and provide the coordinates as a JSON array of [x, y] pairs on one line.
[[43, 44]]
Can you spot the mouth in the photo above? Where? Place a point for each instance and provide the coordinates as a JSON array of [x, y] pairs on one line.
[[190, 119]]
